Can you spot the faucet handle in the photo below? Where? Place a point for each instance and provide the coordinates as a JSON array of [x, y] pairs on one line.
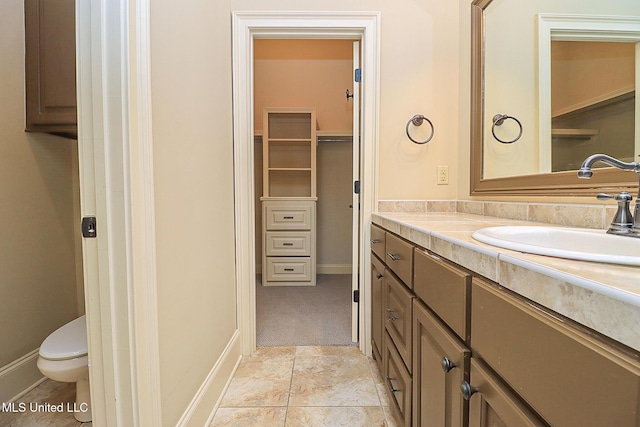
[[620, 197], [623, 220]]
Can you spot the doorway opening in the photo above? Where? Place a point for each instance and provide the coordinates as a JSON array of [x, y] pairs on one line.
[[247, 28], [306, 273]]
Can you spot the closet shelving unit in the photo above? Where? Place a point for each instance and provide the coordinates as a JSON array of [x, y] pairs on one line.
[[289, 197]]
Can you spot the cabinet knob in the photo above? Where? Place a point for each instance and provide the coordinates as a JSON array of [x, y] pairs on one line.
[[467, 390], [391, 316], [393, 390], [378, 275], [374, 241], [392, 256], [447, 364]]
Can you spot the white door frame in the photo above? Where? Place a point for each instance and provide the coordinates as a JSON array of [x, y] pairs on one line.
[[116, 186], [324, 25]]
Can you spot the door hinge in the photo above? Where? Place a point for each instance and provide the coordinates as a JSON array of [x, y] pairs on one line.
[[89, 227], [356, 296], [357, 75], [356, 187]]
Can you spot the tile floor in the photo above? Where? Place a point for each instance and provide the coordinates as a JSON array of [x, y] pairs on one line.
[[279, 386], [306, 386], [52, 392]]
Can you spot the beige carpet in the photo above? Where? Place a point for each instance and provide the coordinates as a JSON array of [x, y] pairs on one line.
[[305, 315]]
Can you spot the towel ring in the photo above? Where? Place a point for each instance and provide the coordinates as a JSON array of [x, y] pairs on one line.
[[498, 120], [417, 121]]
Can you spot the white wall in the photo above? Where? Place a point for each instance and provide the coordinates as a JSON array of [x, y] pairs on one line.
[[38, 195]]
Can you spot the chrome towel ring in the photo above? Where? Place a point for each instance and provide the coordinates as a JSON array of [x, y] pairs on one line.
[[417, 121], [498, 120]]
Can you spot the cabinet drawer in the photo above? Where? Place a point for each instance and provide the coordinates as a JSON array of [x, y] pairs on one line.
[[398, 311], [440, 365], [445, 289], [378, 241], [377, 309], [399, 257], [568, 376], [288, 269], [289, 217], [398, 382], [291, 243]]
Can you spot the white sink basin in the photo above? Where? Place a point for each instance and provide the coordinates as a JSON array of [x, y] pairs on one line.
[[573, 243]]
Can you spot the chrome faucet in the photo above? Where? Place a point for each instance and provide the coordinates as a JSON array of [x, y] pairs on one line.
[[623, 223]]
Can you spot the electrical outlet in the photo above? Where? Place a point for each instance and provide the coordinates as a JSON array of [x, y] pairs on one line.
[[443, 175]]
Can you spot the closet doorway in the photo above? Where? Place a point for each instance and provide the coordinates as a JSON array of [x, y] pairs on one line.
[[298, 79], [248, 27]]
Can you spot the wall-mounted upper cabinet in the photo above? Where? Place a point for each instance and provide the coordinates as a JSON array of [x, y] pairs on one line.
[[50, 67]]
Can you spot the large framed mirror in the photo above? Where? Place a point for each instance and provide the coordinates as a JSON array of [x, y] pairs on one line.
[[528, 63]]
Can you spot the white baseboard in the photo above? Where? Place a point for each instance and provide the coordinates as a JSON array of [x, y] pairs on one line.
[[204, 404], [19, 377], [333, 269]]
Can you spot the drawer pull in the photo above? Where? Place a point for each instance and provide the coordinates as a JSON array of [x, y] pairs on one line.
[[447, 364], [393, 390], [289, 269], [287, 244], [374, 241], [378, 275], [393, 257], [288, 217], [467, 390]]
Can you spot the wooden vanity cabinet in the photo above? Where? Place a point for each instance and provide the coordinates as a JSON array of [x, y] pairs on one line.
[[50, 67], [569, 376], [440, 365], [392, 317]]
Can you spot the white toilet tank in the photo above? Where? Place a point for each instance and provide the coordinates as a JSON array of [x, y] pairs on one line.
[[67, 342]]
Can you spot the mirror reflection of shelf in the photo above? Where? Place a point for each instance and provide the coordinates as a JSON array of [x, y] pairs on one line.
[[574, 133], [603, 100]]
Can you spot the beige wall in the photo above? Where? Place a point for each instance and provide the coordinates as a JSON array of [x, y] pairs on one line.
[[582, 72], [193, 166], [38, 194]]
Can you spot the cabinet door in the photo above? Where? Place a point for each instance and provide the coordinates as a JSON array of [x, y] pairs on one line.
[[491, 404], [50, 66], [377, 309], [440, 365]]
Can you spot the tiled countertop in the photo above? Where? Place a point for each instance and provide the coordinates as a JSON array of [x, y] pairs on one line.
[[603, 297]]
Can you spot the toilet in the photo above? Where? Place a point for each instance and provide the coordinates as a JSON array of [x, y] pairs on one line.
[[63, 357]]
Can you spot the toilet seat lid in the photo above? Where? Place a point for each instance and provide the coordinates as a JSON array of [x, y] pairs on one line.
[[67, 342]]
